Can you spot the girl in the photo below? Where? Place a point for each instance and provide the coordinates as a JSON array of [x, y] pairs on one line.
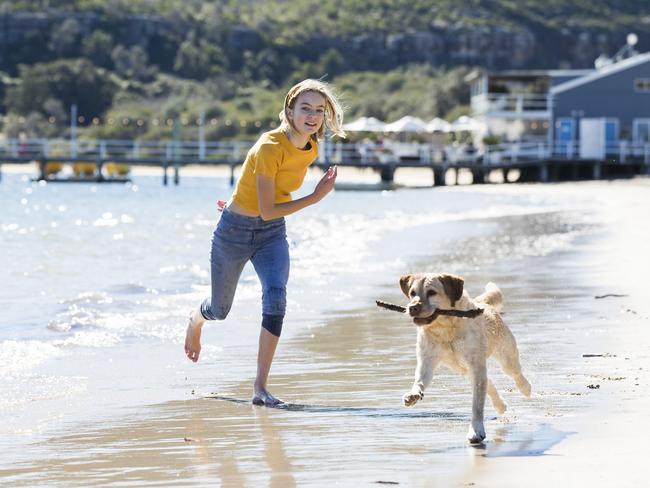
[[252, 226]]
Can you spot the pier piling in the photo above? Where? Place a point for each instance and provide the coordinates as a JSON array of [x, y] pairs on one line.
[[543, 173], [439, 173], [597, 171]]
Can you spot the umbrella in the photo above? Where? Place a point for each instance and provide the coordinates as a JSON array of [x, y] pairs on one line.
[[365, 124], [438, 125], [407, 124], [467, 124]]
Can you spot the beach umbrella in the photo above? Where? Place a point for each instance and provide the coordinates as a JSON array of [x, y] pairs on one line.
[[406, 124], [438, 125], [365, 124], [465, 123]]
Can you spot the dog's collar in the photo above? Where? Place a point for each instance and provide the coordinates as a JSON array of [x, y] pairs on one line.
[[470, 314]]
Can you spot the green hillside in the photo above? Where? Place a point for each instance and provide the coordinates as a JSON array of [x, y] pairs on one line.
[[157, 60]]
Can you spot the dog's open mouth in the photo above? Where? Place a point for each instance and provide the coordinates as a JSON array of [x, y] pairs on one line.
[[425, 320]]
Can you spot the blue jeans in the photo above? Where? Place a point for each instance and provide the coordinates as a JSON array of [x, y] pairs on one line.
[[237, 240]]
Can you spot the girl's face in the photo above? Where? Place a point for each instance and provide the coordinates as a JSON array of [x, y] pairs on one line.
[[308, 113]]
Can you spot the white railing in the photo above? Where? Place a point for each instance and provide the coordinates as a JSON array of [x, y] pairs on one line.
[[373, 153], [509, 102], [125, 149], [362, 153], [619, 151]]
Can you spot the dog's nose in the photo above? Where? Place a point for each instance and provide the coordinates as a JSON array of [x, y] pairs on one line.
[[415, 309]]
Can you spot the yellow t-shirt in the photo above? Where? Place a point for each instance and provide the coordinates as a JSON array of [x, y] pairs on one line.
[[273, 155]]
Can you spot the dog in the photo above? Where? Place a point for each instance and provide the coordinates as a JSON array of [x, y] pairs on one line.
[[462, 344]]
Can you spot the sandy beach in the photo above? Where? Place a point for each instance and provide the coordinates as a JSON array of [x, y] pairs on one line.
[[344, 364]]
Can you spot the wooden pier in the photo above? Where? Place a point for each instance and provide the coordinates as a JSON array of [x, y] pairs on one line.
[[538, 164]]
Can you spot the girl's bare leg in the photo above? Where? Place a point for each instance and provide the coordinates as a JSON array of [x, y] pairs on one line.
[[193, 335], [268, 344]]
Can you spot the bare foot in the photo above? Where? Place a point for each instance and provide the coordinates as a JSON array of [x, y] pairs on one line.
[[263, 398], [193, 335]]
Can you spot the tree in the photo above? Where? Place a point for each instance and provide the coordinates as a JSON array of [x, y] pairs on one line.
[[190, 61], [133, 63], [63, 40], [70, 81], [98, 47]]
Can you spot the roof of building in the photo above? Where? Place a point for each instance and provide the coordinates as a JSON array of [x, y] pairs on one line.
[[552, 73], [602, 72]]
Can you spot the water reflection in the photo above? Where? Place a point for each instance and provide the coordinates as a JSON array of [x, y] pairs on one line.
[[281, 471]]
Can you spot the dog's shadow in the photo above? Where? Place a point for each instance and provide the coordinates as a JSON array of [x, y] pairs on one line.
[[359, 411], [524, 444]]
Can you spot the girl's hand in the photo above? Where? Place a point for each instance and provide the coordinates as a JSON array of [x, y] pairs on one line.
[[221, 204], [326, 183]]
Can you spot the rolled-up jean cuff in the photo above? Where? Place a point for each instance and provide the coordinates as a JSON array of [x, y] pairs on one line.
[[205, 305], [273, 323], [274, 300]]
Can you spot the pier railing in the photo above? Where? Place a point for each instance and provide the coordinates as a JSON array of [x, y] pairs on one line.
[[516, 103], [234, 152], [136, 150]]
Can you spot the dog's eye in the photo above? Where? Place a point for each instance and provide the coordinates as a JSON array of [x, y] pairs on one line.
[[412, 293], [430, 293]]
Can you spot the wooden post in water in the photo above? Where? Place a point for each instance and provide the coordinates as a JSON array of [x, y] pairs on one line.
[[478, 176], [597, 172], [439, 173], [41, 165], [387, 173], [232, 175], [575, 171], [98, 165], [176, 178], [165, 164], [543, 172]]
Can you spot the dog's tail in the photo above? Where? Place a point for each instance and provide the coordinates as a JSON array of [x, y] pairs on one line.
[[492, 296]]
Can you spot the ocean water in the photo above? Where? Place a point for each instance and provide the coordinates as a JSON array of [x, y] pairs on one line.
[[97, 282]]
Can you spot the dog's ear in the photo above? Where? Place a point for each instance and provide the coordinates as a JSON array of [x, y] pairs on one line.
[[405, 283], [453, 286]]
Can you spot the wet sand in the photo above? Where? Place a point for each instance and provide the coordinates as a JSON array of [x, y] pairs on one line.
[[343, 378]]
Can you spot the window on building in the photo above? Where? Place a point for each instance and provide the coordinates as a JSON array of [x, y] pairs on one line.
[[641, 131], [642, 85]]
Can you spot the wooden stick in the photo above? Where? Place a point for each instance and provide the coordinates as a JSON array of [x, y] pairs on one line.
[[390, 306], [439, 311]]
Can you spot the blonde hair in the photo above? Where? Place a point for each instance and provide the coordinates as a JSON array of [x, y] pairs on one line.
[[333, 109]]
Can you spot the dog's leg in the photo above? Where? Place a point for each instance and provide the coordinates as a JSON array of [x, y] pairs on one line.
[[497, 402], [427, 361], [508, 357], [478, 375]]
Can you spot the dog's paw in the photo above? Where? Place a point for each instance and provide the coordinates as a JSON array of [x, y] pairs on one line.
[[500, 407], [476, 433], [411, 398]]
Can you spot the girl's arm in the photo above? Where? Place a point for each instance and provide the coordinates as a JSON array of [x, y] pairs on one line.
[[266, 196]]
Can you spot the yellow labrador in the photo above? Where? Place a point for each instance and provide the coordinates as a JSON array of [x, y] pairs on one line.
[[462, 344]]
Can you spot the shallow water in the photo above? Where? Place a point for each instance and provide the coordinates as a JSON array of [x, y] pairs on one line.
[[95, 389]]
